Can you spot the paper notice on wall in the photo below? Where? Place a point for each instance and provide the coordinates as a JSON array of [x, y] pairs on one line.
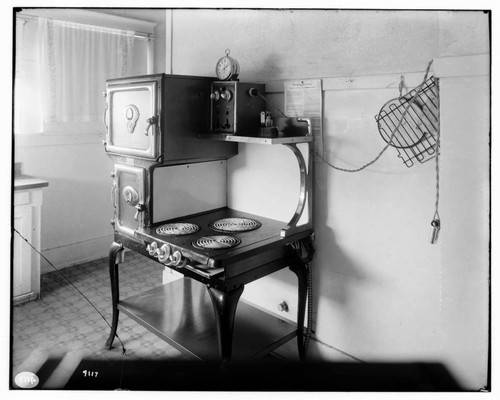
[[303, 98]]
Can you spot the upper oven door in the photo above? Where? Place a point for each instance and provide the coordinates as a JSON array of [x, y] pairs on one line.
[[133, 117]]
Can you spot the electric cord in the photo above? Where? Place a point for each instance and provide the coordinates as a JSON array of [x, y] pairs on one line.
[[71, 284], [436, 221], [308, 334], [436, 205]]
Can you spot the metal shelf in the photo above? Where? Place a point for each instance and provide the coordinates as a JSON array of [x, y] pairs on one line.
[[188, 323], [256, 139]]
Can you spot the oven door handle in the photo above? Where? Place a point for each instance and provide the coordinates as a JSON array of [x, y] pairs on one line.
[[151, 121], [140, 208]]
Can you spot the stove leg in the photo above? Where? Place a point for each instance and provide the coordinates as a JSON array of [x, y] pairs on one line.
[[114, 253], [225, 304], [300, 269]]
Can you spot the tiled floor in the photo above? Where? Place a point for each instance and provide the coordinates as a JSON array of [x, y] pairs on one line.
[[63, 320]]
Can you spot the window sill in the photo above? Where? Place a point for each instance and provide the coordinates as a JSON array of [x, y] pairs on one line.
[[66, 139]]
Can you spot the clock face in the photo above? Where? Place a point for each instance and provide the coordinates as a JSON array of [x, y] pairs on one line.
[[224, 68]]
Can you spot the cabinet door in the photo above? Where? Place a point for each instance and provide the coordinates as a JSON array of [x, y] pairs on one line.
[[22, 252]]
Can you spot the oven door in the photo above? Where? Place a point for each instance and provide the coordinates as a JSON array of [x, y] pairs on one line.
[[128, 198], [132, 117]]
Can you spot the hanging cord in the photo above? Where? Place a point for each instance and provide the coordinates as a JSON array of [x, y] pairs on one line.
[[436, 221], [436, 206], [72, 285], [393, 134]]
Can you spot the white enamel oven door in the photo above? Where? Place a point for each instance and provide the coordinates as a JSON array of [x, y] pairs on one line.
[[128, 198], [132, 118]]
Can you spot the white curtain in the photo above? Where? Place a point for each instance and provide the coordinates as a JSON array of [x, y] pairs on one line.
[[75, 62]]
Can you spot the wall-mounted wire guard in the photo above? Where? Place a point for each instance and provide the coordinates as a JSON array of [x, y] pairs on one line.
[[416, 136]]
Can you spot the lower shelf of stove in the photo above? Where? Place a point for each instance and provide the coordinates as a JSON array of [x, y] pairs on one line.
[[181, 313]]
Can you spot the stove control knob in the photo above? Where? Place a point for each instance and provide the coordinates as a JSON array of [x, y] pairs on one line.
[[176, 258], [152, 248], [215, 95], [164, 253], [226, 95]]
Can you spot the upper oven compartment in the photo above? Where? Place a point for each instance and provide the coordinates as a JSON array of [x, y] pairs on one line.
[[132, 117], [159, 118]]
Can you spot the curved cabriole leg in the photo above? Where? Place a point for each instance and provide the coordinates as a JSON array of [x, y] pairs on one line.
[[225, 304], [114, 252], [300, 269]]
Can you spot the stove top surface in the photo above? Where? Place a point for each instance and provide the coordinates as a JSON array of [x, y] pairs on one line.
[[215, 238]]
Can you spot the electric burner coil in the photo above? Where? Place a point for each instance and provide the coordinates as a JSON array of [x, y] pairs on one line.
[[178, 228], [216, 242], [235, 225]]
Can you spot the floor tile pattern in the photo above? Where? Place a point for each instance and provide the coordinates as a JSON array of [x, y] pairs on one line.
[[63, 320]]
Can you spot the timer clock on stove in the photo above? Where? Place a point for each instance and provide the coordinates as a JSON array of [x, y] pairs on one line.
[[227, 68], [234, 106]]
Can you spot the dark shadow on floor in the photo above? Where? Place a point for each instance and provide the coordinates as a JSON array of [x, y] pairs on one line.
[[148, 375]]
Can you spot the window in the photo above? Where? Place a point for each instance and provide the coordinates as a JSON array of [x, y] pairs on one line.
[[61, 70]]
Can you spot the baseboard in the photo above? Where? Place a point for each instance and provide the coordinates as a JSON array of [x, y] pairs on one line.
[[76, 253]]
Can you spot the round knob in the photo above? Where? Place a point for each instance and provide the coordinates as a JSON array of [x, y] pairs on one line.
[[130, 196], [164, 253], [176, 258], [226, 95], [151, 248], [215, 96]]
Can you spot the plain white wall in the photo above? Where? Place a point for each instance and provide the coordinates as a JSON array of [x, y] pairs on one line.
[[464, 274], [381, 291]]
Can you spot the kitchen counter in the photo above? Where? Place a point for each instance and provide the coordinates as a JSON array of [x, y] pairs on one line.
[[25, 182]]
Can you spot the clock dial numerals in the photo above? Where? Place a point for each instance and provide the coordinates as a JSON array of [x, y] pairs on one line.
[[227, 68], [224, 68]]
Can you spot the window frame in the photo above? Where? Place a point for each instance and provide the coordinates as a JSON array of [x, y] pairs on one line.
[[144, 30]]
